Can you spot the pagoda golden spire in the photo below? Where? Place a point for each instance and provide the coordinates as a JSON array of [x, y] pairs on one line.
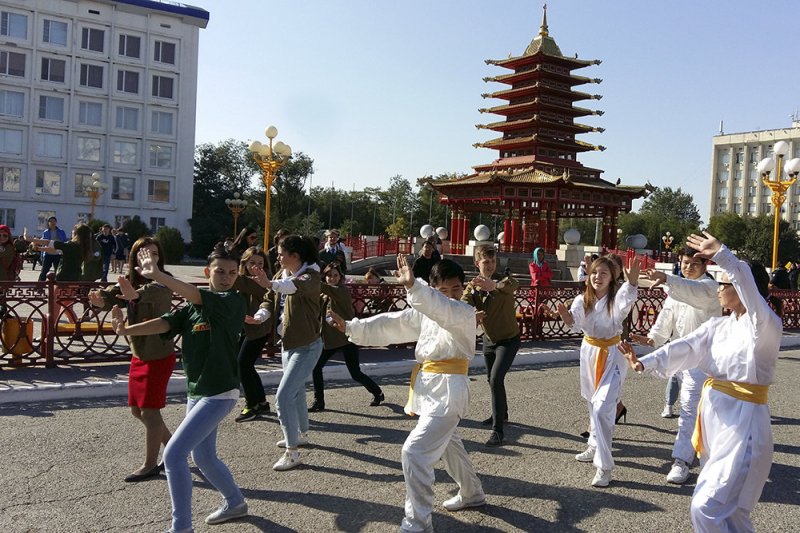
[[543, 28]]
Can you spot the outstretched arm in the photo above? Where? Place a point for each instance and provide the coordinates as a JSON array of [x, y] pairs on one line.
[[148, 267], [149, 327]]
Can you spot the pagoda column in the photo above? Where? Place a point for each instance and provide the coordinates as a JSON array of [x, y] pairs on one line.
[[463, 232], [454, 230], [606, 229], [612, 238], [507, 233], [528, 231], [541, 237], [552, 237]]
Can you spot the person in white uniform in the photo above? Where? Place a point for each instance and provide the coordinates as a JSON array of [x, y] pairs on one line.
[[599, 313], [738, 352], [691, 300], [444, 329]]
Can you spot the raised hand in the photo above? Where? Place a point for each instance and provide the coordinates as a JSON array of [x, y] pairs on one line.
[[128, 292], [117, 320], [706, 244], [641, 339], [248, 319], [96, 299], [336, 321], [148, 265], [405, 275], [566, 316], [632, 272], [656, 276], [484, 284], [627, 352], [258, 275]]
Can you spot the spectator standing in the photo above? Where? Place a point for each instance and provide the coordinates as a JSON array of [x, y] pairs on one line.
[[107, 245], [333, 250], [246, 238], [121, 244], [424, 263], [273, 267], [780, 278], [51, 259], [540, 271], [793, 273]]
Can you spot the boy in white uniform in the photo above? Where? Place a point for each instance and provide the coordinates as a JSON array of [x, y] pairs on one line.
[[444, 329], [691, 300]]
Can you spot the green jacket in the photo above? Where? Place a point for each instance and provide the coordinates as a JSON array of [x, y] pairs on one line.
[[338, 300], [301, 310], [500, 306]]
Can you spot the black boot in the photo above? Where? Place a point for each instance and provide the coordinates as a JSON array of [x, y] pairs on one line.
[[318, 405], [376, 401]]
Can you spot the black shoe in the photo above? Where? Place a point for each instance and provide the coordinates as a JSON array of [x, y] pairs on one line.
[[496, 439], [153, 472], [623, 414], [489, 421], [585, 434], [376, 401], [316, 406], [162, 467], [247, 414]]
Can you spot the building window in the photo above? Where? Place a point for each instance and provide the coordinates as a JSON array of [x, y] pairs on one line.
[[127, 118], [12, 64], [121, 220], [48, 182], [13, 25], [158, 191], [90, 113], [723, 192], [51, 108], [11, 141], [157, 223], [160, 156], [9, 217], [130, 46], [92, 76], [739, 159], [54, 32], [11, 177], [88, 149], [162, 86], [737, 208], [53, 69], [12, 103], [161, 122], [92, 39], [123, 188], [737, 192], [81, 182], [49, 145], [128, 81], [41, 219], [164, 52], [725, 157], [124, 153], [751, 208], [737, 174]]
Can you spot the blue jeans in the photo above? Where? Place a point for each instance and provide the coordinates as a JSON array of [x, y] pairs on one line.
[[50, 260], [290, 399], [673, 390], [198, 434]]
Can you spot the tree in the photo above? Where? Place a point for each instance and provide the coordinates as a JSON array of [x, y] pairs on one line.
[[289, 185], [665, 203], [729, 228], [172, 244], [758, 242], [135, 229], [398, 228]]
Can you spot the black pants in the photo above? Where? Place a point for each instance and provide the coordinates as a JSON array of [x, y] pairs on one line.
[[249, 351], [350, 352], [499, 356], [50, 260]]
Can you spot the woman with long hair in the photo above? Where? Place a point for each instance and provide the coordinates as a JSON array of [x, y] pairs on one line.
[[599, 313], [153, 356], [250, 284], [336, 297], [732, 437], [247, 237], [80, 256]]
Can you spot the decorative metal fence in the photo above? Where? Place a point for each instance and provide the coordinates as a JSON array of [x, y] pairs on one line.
[[47, 323]]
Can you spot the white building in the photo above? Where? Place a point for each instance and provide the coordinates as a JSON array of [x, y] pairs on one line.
[[97, 86], [735, 184]]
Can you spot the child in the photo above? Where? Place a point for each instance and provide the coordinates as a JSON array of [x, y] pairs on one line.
[[599, 313], [210, 327], [153, 356], [336, 297], [444, 329], [733, 437], [492, 296]]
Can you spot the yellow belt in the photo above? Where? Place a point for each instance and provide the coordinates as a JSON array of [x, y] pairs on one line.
[[445, 366], [747, 392], [602, 355]]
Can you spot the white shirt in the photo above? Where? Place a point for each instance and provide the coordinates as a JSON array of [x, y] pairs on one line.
[[689, 304]]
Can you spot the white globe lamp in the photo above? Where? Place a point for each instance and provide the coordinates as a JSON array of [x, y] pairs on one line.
[[482, 233], [441, 232], [572, 236], [426, 231], [501, 237]]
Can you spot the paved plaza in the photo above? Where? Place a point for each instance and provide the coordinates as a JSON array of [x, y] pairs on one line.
[[64, 460]]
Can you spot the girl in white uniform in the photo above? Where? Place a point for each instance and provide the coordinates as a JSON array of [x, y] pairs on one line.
[[444, 329], [599, 314], [739, 353]]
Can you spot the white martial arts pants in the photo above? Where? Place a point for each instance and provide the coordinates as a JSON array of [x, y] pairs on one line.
[[434, 438], [602, 412], [691, 390]]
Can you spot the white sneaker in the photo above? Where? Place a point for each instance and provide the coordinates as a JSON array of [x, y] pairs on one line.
[[601, 478], [679, 472], [456, 503], [301, 441], [287, 461], [587, 456], [667, 412], [225, 513]]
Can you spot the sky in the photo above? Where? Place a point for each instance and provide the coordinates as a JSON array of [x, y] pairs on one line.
[[370, 89]]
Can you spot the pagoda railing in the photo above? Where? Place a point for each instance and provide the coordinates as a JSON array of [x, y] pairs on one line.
[[47, 323], [363, 248]]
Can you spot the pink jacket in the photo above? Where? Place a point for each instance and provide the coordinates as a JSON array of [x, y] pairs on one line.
[[540, 275]]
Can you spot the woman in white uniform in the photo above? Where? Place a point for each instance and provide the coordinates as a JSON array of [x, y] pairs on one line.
[[738, 352], [599, 313]]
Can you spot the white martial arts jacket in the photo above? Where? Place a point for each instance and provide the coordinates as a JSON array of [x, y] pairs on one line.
[[743, 349], [443, 328], [689, 304]]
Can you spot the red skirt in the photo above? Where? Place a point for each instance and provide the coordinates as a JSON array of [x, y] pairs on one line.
[[147, 382]]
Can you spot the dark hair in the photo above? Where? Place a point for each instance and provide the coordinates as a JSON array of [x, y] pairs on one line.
[[250, 252], [279, 235], [302, 246], [761, 279], [690, 252], [220, 252], [371, 271], [54, 219], [84, 238], [333, 265], [484, 250], [240, 242], [137, 280], [444, 270]]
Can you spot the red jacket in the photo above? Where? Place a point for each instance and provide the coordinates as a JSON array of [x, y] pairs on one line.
[[540, 275]]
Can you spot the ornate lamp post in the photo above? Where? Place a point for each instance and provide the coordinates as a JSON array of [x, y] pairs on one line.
[[667, 239], [94, 191], [269, 159], [778, 187], [236, 206]]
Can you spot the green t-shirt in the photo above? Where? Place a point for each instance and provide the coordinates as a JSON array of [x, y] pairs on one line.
[[210, 341]]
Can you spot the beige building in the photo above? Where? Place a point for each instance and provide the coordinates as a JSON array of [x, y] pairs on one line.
[[735, 184]]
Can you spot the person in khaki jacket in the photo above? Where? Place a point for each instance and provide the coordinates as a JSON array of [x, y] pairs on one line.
[[293, 303], [492, 296], [153, 356]]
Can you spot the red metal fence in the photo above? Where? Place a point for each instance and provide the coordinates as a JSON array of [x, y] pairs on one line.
[[46, 324]]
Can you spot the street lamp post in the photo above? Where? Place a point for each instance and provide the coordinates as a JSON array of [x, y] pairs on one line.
[[94, 191], [236, 205], [269, 159], [778, 187]]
